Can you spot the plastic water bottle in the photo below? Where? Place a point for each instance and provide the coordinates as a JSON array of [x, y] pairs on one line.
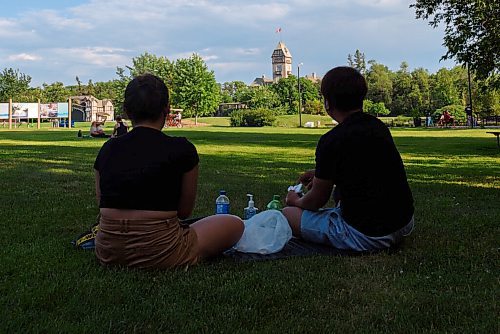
[[222, 203], [250, 210], [275, 204]]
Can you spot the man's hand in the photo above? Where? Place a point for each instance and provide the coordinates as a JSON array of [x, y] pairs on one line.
[[291, 198], [306, 178], [315, 198]]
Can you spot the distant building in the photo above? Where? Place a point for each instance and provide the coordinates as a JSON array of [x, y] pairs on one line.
[[282, 62], [282, 68], [87, 108], [225, 109], [262, 81], [313, 77]]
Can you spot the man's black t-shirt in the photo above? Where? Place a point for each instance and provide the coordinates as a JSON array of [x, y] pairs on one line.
[[360, 157], [143, 169]]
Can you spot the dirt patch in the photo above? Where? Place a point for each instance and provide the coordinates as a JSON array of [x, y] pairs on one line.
[[190, 123]]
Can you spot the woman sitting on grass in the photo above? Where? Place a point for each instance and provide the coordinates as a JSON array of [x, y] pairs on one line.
[[145, 182], [97, 131]]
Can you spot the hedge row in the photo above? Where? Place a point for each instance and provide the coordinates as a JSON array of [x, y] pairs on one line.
[[252, 117]]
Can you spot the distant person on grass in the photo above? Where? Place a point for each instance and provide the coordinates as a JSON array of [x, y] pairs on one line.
[[145, 182], [359, 158], [97, 131], [446, 119], [120, 127]]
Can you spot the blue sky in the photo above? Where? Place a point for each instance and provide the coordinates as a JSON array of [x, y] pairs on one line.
[[59, 40]]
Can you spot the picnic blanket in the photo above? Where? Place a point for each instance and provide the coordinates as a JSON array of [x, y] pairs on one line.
[[295, 247]]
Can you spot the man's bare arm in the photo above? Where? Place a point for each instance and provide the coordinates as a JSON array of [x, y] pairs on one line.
[[315, 198]]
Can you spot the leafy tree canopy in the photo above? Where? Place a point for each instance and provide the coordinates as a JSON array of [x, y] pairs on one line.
[[472, 32], [13, 84]]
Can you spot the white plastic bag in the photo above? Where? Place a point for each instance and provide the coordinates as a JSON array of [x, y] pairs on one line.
[[265, 233]]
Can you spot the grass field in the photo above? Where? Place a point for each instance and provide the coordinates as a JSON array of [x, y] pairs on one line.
[[445, 278]]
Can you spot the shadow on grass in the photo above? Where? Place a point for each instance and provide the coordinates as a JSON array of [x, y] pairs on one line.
[[465, 162]]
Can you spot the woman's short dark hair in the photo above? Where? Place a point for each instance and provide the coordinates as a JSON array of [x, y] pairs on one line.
[[146, 98], [344, 88]]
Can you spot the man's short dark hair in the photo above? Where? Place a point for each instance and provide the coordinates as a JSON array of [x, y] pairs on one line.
[[118, 118], [344, 88], [146, 98]]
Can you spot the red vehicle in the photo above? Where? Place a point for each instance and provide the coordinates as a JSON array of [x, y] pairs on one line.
[[173, 120]]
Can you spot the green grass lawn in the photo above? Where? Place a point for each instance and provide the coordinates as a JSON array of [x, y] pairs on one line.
[[445, 278]]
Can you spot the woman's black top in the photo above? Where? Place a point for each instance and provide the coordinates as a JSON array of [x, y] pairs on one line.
[[121, 129], [143, 170]]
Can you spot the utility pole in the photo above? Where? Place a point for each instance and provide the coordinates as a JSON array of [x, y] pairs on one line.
[[300, 95]]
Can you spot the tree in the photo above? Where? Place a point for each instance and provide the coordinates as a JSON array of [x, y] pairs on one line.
[[421, 79], [196, 90], [472, 32], [161, 66], [403, 91], [55, 92], [357, 61], [262, 97], [308, 90], [379, 83], [314, 107], [443, 91], [13, 84], [486, 100], [90, 88], [118, 86], [375, 108], [233, 91], [33, 94], [79, 86], [288, 94]]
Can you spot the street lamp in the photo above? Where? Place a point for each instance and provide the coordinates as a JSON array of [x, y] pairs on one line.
[[468, 109], [300, 96]]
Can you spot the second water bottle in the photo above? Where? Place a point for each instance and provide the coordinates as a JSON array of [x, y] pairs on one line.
[[222, 203]]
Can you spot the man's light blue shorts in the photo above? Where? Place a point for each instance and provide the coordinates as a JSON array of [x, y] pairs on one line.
[[327, 226]]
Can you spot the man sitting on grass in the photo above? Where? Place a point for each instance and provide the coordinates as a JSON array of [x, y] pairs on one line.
[[374, 201]]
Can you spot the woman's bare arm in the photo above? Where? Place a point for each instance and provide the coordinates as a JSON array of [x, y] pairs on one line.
[[188, 193]]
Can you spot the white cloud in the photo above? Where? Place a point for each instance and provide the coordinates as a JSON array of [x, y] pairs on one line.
[[209, 57], [249, 13], [23, 57], [11, 29], [234, 37], [52, 19], [247, 51], [98, 56], [234, 65]]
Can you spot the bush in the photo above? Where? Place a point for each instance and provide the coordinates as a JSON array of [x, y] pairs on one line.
[[314, 107], [399, 121], [375, 109], [252, 117]]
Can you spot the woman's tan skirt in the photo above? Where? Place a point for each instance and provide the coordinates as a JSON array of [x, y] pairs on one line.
[[147, 243]]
